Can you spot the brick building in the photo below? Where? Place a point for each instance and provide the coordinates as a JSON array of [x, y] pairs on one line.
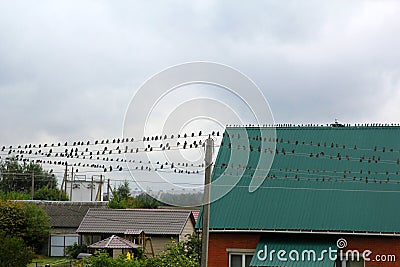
[[330, 197]]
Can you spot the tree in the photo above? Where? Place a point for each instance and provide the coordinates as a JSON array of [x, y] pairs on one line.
[[123, 191], [12, 218], [177, 254], [18, 177], [37, 226], [122, 199], [46, 193], [14, 196], [192, 246], [26, 221], [13, 251], [146, 201]]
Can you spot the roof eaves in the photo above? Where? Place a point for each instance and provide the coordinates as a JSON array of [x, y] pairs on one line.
[[304, 231]]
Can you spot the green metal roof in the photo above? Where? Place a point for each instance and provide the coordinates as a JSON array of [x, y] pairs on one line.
[[321, 179], [295, 253]]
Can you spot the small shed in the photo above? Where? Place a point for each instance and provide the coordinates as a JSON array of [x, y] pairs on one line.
[[115, 245]]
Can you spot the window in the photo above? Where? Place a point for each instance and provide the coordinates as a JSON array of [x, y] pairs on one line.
[[59, 242], [350, 263], [240, 260]]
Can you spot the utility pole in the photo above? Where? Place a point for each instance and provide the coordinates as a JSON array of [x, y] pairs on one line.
[[33, 185], [91, 190], [108, 190], [70, 190], [99, 195], [206, 203], [65, 178], [64, 181]]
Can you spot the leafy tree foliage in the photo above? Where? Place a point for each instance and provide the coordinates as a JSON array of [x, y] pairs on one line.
[[26, 221], [192, 246], [17, 177], [74, 250], [12, 218], [13, 251], [102, 259], [37, 226], [122, 199], [46, 193], [14, 195], [184, 253], [146, 201], [123, 190]]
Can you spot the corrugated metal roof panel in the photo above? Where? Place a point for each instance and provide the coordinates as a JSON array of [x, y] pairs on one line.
[[321, 178]]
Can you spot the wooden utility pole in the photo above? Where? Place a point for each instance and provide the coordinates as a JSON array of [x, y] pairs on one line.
[[70, 190], [206, 203], [33, 185], [108, 189], [64, 182], [65, 177], [91, 190], [99, 195]]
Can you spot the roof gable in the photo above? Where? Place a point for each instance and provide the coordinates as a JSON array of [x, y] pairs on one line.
[[321, 179], [150, 221]]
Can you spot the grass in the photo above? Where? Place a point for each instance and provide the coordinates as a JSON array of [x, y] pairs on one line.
[[53, 261]]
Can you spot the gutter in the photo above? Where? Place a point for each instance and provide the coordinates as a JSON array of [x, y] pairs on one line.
[[397, 234]]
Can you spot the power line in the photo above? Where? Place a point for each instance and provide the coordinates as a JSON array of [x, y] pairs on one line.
[[109, 141]]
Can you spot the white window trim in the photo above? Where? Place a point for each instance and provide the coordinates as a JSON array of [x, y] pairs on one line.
[[241, 252], [343, 263]]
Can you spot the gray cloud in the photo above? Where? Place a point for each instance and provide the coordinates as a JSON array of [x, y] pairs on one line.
[[69, 69]]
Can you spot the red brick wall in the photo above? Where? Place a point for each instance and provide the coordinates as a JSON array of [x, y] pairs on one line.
[[219, 242], [381, 245]]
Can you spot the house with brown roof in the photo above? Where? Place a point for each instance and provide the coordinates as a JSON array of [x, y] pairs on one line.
[[65, 218], [161, 226]]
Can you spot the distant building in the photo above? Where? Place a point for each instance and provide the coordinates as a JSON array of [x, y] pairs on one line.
[[82, 188]]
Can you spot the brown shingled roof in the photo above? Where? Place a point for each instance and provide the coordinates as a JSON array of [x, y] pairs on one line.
[[151, 221]]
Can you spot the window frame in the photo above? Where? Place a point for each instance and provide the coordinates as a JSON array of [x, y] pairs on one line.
[[54, 246], [240, 252], [343, 263]]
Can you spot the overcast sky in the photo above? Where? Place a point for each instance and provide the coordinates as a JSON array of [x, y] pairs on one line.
[[68, 69]]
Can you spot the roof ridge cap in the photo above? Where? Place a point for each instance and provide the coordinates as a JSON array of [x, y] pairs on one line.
[[109, 241]]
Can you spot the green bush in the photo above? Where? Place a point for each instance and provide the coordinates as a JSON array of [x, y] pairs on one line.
[[13, 251], [46, 193], [184, 253], [25, 220], [174, 255], [74, 250]]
